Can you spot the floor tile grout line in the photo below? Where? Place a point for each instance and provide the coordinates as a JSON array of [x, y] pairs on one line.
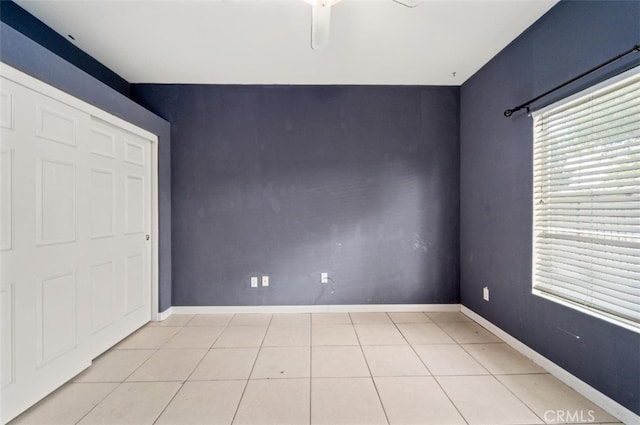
[[119, 384], [431, 373], [181, 384], [524, 403], [193, 370], [224, 327], [189, 321], [413, 349], [373, 381], [155, 350], [208, 349], [96, 405], [169, 402], [477, 359], [484, 367], [439, 325], [235, 414]]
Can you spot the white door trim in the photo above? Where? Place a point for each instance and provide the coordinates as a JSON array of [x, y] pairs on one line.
[[32, 83]]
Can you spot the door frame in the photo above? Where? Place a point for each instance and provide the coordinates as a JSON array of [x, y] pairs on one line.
[[39, 86]]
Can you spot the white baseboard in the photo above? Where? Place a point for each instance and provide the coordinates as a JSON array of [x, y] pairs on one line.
[[351, 308], [608, 404], [163, 315]]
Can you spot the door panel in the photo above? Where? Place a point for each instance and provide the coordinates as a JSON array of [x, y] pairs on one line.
[[56, 316], [134, 153], [103, 279], [6, 199], [134, 207], [102, 143], [103, 192], [6, 338], [6, 108], [55, 201], [55, 124], [75, 261], [134, 292]]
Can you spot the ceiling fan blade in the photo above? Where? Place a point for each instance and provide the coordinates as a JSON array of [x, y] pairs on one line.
[[320, 26], [322, 2], [408, 3]]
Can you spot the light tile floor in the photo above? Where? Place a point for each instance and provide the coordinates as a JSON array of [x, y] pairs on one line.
[[328, 368]]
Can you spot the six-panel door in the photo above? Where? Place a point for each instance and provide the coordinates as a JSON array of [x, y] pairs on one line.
[[75, 260]]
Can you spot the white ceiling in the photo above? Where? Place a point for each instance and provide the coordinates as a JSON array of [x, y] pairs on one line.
[[268, 41]]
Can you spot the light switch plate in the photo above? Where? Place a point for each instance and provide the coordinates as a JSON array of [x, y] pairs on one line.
[[265, 280]]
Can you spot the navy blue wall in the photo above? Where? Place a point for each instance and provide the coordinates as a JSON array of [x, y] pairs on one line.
[[29, 57], [496, 192], [25, 23], [291, 181]]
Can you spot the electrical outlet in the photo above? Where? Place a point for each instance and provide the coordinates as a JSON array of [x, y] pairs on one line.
[[254, 281], [324, 277], [485, 293], [265, 280]]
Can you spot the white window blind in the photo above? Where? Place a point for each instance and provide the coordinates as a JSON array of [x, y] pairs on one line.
[[586, 244]]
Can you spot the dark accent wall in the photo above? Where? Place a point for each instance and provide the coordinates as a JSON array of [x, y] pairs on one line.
[[291, 181], [27, 24], [23, 53], [496, 192]]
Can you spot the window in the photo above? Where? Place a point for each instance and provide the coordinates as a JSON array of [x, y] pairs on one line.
[[586, 220]]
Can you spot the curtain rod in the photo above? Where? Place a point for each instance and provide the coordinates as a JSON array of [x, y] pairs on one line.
[[509, 112]]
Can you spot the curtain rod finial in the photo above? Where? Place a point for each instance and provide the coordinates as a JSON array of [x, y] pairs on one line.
[[508, 113]]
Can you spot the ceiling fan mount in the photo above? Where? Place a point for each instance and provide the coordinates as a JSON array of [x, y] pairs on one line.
[[321, 20]]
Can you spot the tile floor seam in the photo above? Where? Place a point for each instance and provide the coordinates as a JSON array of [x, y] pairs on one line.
[[235, 414], [162, 381], [431, 373], [375, 386], [445, 331], [290, 378], [413, 349], [189, 321], [515, 395], [172, 336], [119, 383], [550, 375], [542, 370], [155, 350], [98, 403], [168, 403], [208, 349], [524, 403], [470, 355], [193, 370]]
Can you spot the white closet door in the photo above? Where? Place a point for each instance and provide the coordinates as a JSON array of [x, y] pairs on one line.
[[75, 260], [119, 252]]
